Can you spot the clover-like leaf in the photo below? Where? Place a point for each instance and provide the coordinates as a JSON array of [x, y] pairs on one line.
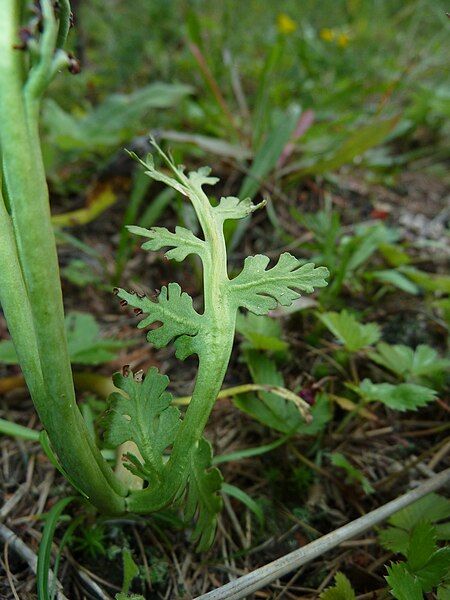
[[342, 590], [421, 546], [408, 363], [353, 334], [234, 208], [436, 569], [259, 290], [143, 414], [403, 585], [402, 397], [203, 499], [182, 242], [173, 308]]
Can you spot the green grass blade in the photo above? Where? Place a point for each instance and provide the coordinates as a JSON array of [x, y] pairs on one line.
[[45, 547], [235, 492], [249, 452], [19, 431]]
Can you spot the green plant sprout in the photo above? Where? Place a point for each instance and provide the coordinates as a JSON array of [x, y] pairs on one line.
[[146, 416], [169, 455]]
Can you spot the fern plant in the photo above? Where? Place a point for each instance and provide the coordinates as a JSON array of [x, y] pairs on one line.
[[145, 416]]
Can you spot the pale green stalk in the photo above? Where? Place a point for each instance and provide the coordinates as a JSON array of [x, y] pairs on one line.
[[30, 284]]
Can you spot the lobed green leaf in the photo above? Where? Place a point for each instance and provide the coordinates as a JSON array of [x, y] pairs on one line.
[[142, 413], [433, 507], [260, 290], [174, 309], [421, 546], [183, 242], [231, 207], [431, 575]]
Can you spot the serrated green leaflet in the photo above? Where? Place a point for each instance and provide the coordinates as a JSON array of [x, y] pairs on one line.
[[421, 546], [433, 507], [414, 532], [408, 363], [435, 570], [402, 397], [394, 539], [403, 585], [342, 589]]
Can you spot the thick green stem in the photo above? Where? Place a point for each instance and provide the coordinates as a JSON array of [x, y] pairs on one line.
[[37, 272]]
